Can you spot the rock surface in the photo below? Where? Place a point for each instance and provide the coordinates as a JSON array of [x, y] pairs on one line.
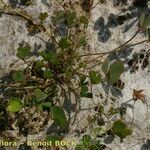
[[111, 24]]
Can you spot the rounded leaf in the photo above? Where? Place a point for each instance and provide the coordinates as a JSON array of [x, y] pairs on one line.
[[105, 66], [95, 77], [64, 43], [120, 129], [48, 74], [116, 69], [84, 20], [71, 18], [43, 16], [23, 52], [58, 116], [40, 95], [14, 104], [18, 76]]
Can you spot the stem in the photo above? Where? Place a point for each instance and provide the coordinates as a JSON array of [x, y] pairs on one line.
[[100, 2], [116, 49], [138, 43], [61, 6], [25, 16]]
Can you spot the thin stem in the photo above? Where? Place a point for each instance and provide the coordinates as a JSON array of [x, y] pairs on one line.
[[100, 2], [114, 50], [61, 5], [26, 17]]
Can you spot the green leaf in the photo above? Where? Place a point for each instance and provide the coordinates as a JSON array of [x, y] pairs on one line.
[[58, 116], [14, 104], [40, 95], [64, 43], [89, 95], [39, 64], [86, 140], [147, 21], [84, 92], [80, 147], [53, 138], [142, 19], [44, 104], [47, 104], [148, 31], [44, 55], [51, 57], [71, 18], [84, 20], [43, 16], [105, 66], [40, 107], [81, 42], [23, 52], [83, 81], [59, 17], [48, 74], [82, 65], [95, 77], [120, 129], [116, 69], [18, 76]]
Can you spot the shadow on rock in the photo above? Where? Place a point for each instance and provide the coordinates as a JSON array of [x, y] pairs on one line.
[[103, 31], [146, 146]]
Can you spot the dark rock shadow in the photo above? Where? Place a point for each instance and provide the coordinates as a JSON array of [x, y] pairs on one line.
[[112, 21], [104, 35], [109, 139], [50, 47], [120, 2], [13, 3], [36, 49], [99, 24], [103, 28], [62, 29], [132, 12], [18, 3], [54, 129], [103, 31], [122, 54], [69, 108], [115, 92], [45, 3], [129, 26], [146, 146], [24, 146], [5, 122]]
